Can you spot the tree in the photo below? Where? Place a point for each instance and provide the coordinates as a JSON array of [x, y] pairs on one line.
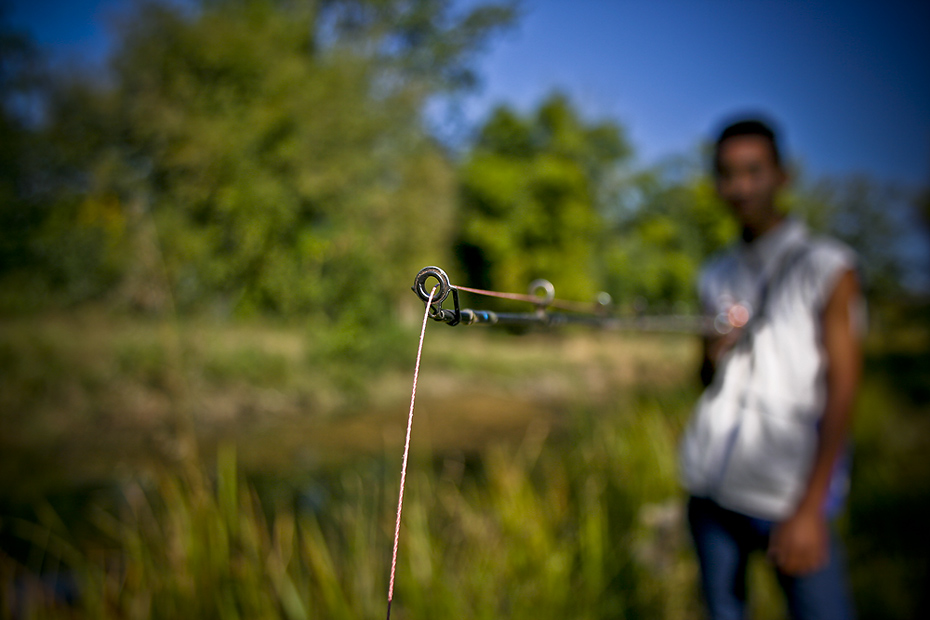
[[530, 193], [668, 221], [278, 147], [665, 222], [879, 220], [50, 241], [17, 61]]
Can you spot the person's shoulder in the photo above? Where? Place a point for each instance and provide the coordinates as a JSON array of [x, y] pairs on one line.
[[826, 259], [829, 252]]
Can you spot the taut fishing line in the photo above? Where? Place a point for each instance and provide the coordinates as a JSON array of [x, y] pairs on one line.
[[403, 468]]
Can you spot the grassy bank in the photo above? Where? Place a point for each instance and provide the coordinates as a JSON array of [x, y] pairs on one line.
[[85, 395], [199, 470]]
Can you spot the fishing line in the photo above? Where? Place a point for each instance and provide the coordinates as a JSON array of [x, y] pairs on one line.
[[403, 468], [547, 301]]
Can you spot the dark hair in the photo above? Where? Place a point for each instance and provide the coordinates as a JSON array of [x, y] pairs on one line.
[[748, 127]]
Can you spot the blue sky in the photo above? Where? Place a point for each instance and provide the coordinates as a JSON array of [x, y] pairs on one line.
[[848, 81]]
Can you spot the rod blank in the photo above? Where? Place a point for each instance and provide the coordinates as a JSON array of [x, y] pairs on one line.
[[467, 316]]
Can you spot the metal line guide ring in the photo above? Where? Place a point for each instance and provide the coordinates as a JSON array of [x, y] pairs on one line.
[[545, 288], [419, 285]]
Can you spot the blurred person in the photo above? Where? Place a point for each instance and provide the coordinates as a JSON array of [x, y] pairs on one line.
[[765, 455]]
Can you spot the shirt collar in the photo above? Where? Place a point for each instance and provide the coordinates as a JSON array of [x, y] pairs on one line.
[[765, 251]]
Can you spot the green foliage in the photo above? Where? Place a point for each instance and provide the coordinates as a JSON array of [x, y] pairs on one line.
[[663, 230], [287, 175], [15, 220], [530, 193], [269, 156], [265, 157], [62, 230]]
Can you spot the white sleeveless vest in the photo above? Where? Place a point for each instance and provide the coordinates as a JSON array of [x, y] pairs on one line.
[[752, 437]]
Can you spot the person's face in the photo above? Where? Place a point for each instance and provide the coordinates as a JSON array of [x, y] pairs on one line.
[[748, 179]]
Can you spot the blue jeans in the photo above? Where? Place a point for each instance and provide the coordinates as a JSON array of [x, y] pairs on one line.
[[724, 539]]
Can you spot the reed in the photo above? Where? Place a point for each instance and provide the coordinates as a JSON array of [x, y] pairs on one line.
[[554, 527], [580, 517]]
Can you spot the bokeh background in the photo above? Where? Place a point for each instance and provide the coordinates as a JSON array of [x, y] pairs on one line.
[[211, 214]]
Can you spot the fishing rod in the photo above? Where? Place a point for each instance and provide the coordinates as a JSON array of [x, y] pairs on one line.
[[542, 296]]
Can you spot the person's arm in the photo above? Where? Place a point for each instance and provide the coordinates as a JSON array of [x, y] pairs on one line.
[[715, 346], [800, 544], [708, 365]]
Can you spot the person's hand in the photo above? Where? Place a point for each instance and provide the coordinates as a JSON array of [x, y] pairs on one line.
[[718, 345], [799, 545]]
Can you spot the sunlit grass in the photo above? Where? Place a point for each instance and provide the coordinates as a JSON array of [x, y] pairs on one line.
[[565, 505], [542, 529]]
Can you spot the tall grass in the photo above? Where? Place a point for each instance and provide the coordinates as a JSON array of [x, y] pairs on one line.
[[584, 525], [579, 520]]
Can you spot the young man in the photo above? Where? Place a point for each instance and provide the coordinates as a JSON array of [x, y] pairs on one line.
[[763, 457]]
